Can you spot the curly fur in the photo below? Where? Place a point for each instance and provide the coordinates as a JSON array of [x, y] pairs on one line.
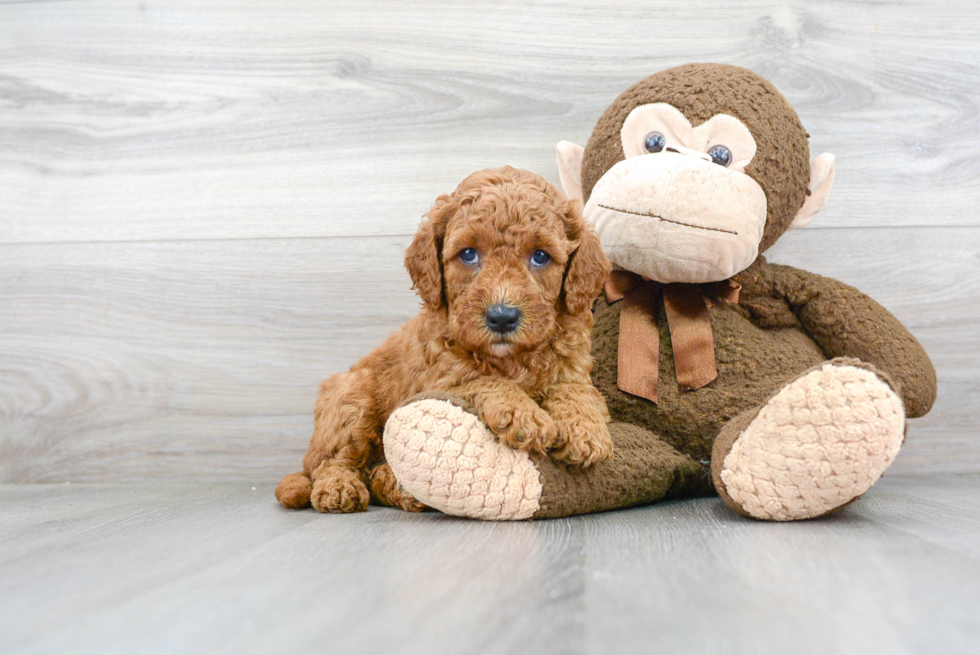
[[531, 387]]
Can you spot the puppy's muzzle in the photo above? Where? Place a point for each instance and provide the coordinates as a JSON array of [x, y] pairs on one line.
[[502, 319]]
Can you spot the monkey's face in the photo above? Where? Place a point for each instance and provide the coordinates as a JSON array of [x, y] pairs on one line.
[[692, 172], [680, 207]]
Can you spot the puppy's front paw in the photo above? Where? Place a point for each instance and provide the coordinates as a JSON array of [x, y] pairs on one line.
[[339, 490], [582, 441], [521, 425]]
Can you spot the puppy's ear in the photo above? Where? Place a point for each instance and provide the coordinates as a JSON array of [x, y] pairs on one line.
[[423, 257], [588, 267]]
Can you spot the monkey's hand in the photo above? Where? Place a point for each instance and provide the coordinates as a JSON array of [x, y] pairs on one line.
[[847, 323]]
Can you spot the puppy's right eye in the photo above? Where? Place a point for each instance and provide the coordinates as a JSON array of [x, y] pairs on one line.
[[540, 258], [469, 256]]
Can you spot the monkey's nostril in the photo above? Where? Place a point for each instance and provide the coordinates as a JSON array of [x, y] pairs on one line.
[[502, 318]]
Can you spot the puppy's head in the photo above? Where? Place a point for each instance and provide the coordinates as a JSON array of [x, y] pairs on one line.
[[505, 254]]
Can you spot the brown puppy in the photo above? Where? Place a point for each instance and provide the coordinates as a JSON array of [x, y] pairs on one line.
[[507, 270]]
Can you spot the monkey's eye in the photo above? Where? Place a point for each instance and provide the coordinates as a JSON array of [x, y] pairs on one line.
[[540, 258], [469, 256], [654, 142], [720, 155]]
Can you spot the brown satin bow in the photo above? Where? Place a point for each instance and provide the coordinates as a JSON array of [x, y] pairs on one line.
[[687, 320]]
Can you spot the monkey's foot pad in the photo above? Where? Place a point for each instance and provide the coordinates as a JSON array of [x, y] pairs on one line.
[[445, 457], [818, 444]]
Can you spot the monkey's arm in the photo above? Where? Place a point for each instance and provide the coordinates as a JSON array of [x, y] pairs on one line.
[[846, 323]]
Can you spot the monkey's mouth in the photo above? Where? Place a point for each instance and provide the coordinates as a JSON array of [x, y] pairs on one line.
[[668, 220]]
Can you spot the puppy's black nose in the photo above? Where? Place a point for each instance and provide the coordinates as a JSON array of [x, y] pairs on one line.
[[503, 318]]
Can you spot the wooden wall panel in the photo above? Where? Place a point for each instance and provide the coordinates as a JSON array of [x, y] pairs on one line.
[[229, 119], [203, 205], [202, 359]]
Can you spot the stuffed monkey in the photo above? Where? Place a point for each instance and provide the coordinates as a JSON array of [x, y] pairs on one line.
[[782, 391]]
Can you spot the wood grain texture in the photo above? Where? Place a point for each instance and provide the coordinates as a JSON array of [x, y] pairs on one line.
[[203, 205], [232, 118], [201, 359], [182, 568]]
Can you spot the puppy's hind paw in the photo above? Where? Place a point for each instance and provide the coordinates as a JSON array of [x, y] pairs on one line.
[[339, 491], [390, 492]]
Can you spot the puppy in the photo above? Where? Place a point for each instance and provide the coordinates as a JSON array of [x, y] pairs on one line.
[[507, 270]]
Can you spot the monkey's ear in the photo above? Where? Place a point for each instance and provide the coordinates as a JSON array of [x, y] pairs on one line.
[[821, 179], [423, 257], [570, 169]]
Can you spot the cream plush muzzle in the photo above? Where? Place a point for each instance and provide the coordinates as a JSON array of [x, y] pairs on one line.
[[674, 217]]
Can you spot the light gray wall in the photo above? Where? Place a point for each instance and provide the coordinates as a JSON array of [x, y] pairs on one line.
[[204, 204]]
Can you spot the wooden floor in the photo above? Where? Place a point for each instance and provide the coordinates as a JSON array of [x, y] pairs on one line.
[[195, 568]]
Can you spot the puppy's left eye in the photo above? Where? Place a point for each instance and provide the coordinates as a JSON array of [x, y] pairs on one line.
[[540, 258], [469, 256]]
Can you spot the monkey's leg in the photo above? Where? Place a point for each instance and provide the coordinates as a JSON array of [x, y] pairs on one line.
[[816, 445], [444, 455]]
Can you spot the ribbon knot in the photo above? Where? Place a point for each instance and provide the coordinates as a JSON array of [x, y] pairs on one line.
[[687, 321]]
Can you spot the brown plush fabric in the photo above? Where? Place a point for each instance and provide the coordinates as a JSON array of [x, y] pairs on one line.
[[751, 363], [787, 321], [643, 469], [781, 165], [846, 323]]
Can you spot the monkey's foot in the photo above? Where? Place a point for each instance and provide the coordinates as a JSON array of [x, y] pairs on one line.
[[815, 446], [447, 459]]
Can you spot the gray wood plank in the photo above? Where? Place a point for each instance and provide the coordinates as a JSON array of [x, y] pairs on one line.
[[121, 361], [167, 568], [946, 510], [218, 121], [229, 119], [200, 360]]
